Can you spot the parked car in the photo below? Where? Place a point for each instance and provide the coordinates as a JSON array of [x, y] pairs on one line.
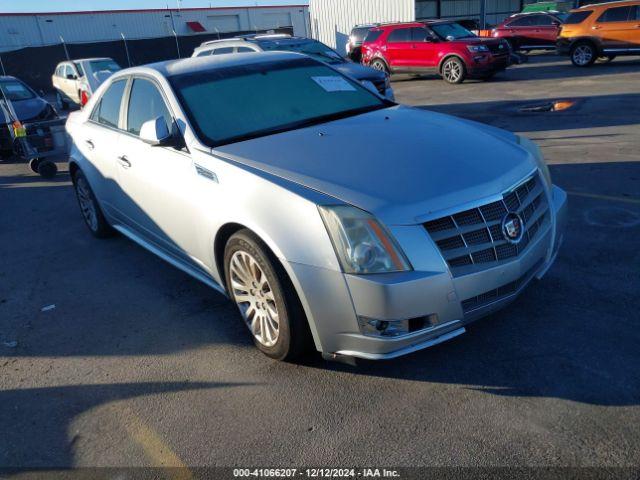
[[444, 47], [321, 209], [287, 43], [356, 37], [530, 31], [602, 30], [76, 80], [19, 102]]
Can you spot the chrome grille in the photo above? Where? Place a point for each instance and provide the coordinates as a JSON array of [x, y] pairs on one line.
[[472, 240]]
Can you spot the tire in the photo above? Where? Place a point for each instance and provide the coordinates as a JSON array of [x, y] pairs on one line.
[[583, 54], [47, 169], [453, 70], [61, 102], [265, 297], [95, 221], [606, 59], [379, 64], [34, 163]]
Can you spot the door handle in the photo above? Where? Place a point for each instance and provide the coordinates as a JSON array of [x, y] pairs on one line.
[[90, 144], [124, 161]]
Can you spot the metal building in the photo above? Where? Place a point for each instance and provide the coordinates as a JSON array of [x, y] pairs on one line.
[[332, 20], [20, 30]]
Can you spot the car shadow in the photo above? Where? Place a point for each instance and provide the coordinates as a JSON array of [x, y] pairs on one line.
[[36, 421]]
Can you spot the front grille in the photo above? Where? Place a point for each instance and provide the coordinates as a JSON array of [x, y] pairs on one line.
[[472, 240], [499, 293], [495, 49]]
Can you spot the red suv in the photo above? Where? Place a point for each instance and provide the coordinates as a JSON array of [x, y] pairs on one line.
[[434, 46], [530, 31]]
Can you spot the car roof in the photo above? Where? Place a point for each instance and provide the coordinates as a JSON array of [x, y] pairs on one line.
[[252, 38], [415, 24], [171, 68], [622, 3]]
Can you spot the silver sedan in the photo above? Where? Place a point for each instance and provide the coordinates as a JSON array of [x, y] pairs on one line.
[[330, 215]]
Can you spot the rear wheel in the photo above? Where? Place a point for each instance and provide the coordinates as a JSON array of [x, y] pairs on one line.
[[34, 163], [91, 212], [583, 54], [268, 304], [453, 70], [378, 64], [47, 168], [61, 102]]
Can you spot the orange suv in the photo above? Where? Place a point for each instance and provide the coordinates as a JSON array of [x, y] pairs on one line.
[[603, 30]]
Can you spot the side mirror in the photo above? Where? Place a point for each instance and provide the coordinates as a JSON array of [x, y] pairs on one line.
[[156, 132]]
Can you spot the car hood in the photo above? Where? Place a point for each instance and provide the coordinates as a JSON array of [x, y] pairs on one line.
[[359, 72], [402, 164], [27, 110]]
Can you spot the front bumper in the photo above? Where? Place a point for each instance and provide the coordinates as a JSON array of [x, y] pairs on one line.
[[334, 301], [490, 64]]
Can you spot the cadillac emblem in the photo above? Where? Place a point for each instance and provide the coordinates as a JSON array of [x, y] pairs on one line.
[[512, 227]]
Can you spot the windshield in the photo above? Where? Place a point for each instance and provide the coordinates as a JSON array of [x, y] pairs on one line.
[[451, 31], [104, 66], [15, 91], [314, 49], [252, 100]]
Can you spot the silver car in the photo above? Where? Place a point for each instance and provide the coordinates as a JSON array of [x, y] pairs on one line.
[[330, 216]]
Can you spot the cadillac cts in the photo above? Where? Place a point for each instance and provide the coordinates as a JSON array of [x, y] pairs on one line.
[[328, 214]]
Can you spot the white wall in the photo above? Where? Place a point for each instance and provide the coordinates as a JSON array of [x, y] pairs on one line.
[[332, 20], [17, 31]]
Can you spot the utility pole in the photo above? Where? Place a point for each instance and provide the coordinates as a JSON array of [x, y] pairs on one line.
[[66, 52], [126, 48]]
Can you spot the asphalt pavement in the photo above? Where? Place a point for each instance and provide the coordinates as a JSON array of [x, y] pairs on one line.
[[111, 357]]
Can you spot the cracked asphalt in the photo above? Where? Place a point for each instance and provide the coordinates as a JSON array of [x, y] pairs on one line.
[[140, 365]]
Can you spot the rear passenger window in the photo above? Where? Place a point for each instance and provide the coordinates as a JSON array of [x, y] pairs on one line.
[[635, 13], [107, 112], [542, 20], [373, 35], [521, 22], [400, 35], [223, 50], [617, 14], [145, 103], [244, 50]]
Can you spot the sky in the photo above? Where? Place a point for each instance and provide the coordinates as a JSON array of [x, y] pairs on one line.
[[74, 5]]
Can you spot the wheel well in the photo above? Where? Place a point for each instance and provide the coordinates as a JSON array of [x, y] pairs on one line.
[[73, 168], [219, 244], [588, 40], [447, 57], [382, 60]]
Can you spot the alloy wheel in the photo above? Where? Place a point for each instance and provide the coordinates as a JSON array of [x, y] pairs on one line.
[[87, 204], [255, 298], [379, 65], [452, 71], [582, 55]]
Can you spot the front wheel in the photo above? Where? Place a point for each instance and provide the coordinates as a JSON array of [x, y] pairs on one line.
[[268, 304], [583, 55], [453, 70]]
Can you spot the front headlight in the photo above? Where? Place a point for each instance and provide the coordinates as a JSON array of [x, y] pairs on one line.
[[534, 150], [362, 244], [477, 48]]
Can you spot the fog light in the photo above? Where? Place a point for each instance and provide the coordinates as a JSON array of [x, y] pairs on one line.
[[394, 328]]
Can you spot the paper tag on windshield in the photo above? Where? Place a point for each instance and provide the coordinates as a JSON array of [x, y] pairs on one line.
[[334, 84]]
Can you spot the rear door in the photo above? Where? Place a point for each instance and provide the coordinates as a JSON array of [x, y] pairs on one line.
[[157, 181], [399, 48], [97, 140], [543, 31], [520, 30], [616, 27]]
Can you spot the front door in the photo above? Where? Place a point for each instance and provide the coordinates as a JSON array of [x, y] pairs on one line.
[[156, 180], [616, 27], [423, 51]]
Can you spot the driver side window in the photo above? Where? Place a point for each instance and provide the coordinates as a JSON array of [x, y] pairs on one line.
[[146, 103]]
